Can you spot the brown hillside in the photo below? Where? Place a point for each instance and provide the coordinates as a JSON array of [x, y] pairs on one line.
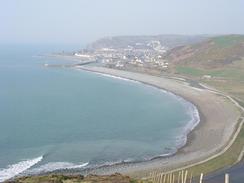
[[216, 52]]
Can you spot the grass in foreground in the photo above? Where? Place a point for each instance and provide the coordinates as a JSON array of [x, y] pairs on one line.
[[225, 160], [57, 178]]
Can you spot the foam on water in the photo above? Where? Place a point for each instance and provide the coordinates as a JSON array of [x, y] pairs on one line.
[[192, 123], [191, 109], [15, 169], [24, 167], [52, 166], [108, 75], [117, 77]]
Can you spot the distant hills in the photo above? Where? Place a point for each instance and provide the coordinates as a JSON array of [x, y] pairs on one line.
[[169, 41]]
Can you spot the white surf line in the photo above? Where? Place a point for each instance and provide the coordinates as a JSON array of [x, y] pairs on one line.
[[85, 69], [195, 112], [18, 168], [229, 144], [52, 166], [215, 155]]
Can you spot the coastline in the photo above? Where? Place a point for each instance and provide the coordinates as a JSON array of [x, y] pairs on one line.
[[67, 166], [194, 112], [207, 138]]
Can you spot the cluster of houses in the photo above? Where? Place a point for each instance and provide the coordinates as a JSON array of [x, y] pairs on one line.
[[138, 55]]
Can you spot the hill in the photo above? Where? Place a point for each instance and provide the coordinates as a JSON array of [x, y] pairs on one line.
[[217, 61], [216, 52], [169, 41]]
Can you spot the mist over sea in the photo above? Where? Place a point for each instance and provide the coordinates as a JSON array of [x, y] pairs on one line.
[[55, 118]]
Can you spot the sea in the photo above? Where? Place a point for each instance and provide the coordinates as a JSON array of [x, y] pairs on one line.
[[54, 118]]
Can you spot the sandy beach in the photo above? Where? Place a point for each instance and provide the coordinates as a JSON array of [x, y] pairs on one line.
[[218, 122]]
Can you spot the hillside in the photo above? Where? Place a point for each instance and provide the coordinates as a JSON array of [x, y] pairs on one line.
[[218, 61], [169, 41], [216, 52]]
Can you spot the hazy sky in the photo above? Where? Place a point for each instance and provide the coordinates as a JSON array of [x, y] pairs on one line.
[[75, 21]]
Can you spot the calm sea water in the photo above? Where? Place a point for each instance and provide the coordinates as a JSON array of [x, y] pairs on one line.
[[54, 118]]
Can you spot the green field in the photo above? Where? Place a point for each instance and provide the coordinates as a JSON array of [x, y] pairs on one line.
[[227, 41], [230, 73], [229, 80]]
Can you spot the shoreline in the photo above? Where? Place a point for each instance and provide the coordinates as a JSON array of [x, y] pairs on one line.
[[189, 153], [183, 139], [142, 169], [195, 112]]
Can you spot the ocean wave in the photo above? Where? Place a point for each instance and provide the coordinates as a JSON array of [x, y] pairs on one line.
[[52, 166], [109, 75], [15, 169], [181, 139], [191, 110], [117, 77]]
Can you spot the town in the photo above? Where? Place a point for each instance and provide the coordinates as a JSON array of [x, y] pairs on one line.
[[138, 55]]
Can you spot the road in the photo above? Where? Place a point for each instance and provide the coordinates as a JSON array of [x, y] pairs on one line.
[[236, 175]]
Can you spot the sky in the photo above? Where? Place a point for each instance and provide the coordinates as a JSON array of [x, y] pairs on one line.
[[83, 21]]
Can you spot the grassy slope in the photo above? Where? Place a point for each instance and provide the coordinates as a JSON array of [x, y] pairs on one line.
[[220, 57], [227, 41], [225, 160], [230, 80], [217, 52], [225, 73]]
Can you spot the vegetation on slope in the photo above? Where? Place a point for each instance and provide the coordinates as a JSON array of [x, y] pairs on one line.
[[218, 62], [223, 161], [218, 52], [58, 178], [221, 58], [228, 41]]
